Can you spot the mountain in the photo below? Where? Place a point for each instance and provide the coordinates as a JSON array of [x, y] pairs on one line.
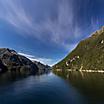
[[3, 68], [42, 68], [11, 61], [88, 55]]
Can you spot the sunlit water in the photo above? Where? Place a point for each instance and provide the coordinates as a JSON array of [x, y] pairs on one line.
[[51, 89]]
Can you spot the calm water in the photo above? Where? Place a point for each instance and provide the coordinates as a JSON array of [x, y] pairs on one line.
[[76, 88]]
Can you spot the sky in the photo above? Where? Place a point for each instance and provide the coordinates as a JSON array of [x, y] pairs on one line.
[[47, 30]]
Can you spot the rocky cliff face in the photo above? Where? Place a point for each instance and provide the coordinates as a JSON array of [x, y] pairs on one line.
[[89, 54], [2, 67], [13, 62]]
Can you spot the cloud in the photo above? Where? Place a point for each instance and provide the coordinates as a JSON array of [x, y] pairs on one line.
[[13, 13], [61, 30], [95, 24], [57, 31], [42, 60]]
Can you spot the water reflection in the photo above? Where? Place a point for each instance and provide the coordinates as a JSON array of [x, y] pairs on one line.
[[75, 89], [91, 85], [43, 89], [10, 77]]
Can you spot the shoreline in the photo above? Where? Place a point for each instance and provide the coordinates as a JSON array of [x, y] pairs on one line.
[[89, 71], [92, 71]]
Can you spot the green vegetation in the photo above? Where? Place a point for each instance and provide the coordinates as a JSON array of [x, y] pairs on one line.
[[89, 54]]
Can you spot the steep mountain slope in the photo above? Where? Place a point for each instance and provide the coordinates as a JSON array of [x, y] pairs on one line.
[[15, 62], [3, 68], [11, 61], [89, 54]]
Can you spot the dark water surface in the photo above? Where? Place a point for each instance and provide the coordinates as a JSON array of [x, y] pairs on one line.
[[76, 88], [89, 85]]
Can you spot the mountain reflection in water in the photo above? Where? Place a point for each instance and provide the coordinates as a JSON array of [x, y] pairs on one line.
[[73, 88], [39, 89], [90, 85]]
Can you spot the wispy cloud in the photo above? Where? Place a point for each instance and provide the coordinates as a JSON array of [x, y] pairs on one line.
[[58, 31], [42, 60], [13, 13]]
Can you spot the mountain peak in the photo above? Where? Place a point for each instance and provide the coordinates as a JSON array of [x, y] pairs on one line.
[[98, 32]]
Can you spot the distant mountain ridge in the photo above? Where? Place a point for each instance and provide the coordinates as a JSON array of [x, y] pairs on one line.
[[42, 68], [88, 55]]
